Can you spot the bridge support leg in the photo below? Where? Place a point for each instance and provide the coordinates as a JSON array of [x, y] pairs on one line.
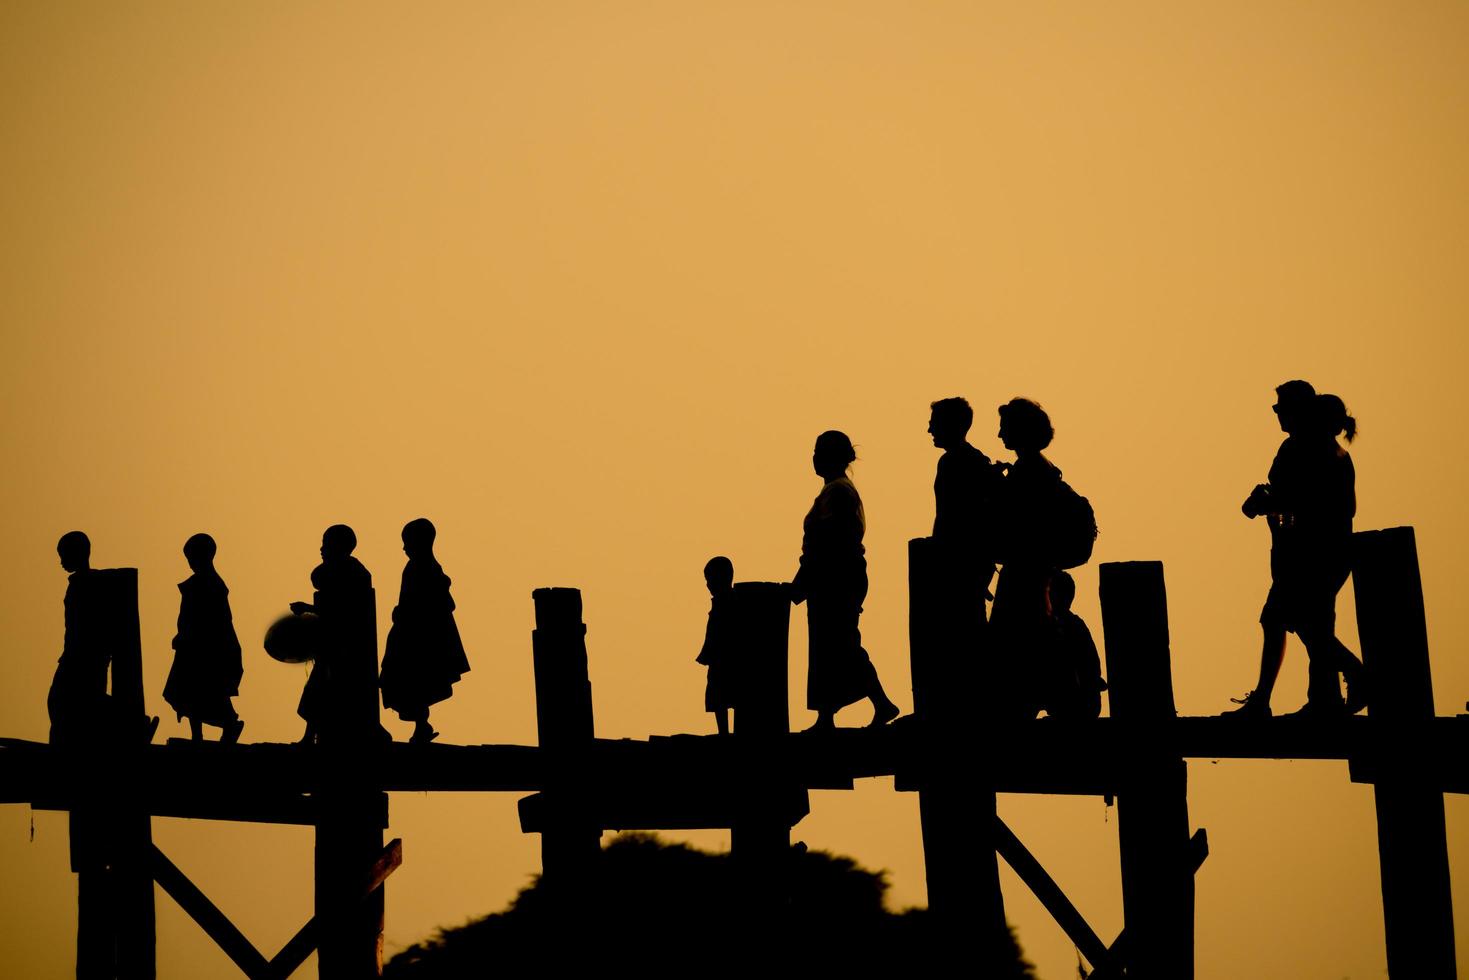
[[1417, 908], [1152, 802], [570, 845], [946, 629], [760, 839]]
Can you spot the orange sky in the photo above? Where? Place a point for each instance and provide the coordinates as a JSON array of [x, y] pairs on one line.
[[582, 282]]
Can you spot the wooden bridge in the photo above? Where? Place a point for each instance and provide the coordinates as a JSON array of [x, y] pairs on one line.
[[755, 782]]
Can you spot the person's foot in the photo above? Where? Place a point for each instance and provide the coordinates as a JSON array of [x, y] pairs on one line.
[[231, 733], [1250, 706], [422, 736], [883, 714], [1319, 710], [822, 725]]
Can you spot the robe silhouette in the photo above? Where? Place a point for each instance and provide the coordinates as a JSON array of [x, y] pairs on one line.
[[424, 656], [833, 577], [207, 667]]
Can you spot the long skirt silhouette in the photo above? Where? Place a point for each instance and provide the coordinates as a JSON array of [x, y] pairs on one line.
[[424, 656], [840, 671], [207, 667]]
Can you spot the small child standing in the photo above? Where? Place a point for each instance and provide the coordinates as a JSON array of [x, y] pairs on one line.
[[1076, 690], [207, 667], [718, 651]]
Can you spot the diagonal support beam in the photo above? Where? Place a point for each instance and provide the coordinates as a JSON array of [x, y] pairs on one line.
[[1110, 966], [1024, 864], [216, 924], [304, 942]]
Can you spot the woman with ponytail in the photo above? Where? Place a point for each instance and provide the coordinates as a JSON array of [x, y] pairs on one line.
[[832, 580], [1309, 503]]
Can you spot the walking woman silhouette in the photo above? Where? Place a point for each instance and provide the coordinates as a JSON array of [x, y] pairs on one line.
[[832, 580]]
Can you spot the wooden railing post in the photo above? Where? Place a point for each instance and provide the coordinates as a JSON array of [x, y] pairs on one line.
[[761, 836], [1152, 801], [1417, 906], [956, 803], [569, 844], [350, 812]]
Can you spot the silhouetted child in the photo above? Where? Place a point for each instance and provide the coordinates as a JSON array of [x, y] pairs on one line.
[[718, 651], [343, 589], [206, 668], [424, 656], [1077, 685]]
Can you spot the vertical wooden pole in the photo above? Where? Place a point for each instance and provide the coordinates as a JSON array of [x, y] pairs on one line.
[[350, 811], [1417, 907], [761, 836], [570, 844], [956, 803], [1152, 802]]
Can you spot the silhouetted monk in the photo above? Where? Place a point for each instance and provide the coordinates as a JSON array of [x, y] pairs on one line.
[[206, 668], [833, 580], [718, 653], [343, 589], [1076, 685], [1309, 503], [78, 704], [1020, 617], [424, 656]]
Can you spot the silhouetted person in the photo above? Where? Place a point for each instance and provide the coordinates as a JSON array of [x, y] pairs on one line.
[[424, 656], [833, 581], [206, 668], [718, 652], [1076, 685], [1021, 614], [965, 489], [343, 595], [78, 704], [1309, 503]]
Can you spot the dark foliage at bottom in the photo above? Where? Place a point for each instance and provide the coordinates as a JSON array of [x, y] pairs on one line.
[[669, 909]]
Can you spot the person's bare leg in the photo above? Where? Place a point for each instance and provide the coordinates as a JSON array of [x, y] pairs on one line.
[[196, 729], [721, 720], [1256, 704], [825, 722], [1272, 655]]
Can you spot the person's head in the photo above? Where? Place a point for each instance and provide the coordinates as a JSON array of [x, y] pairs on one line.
[[1062, 591], [832, 455], [75, 551], [337, 541], [1332, 418], [1024, 426], [949, 421], [719, 574], [199, 551], [1295, 402], [418, 537]]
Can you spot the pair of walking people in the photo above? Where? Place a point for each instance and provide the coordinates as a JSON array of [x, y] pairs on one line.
[[423, 657]]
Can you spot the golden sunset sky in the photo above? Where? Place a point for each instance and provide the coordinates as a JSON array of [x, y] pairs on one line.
[[581, 282]]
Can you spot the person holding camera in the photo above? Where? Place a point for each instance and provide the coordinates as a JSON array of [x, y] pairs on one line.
[[1308, 502]]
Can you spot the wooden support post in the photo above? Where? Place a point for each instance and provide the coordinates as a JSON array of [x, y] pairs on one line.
[[1417, 908], [760, 839], [570, 844], [111, 829], [956, 801], [350, 811], [1152, 806]]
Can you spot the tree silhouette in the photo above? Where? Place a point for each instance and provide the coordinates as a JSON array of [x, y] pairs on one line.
[[661, 908]]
